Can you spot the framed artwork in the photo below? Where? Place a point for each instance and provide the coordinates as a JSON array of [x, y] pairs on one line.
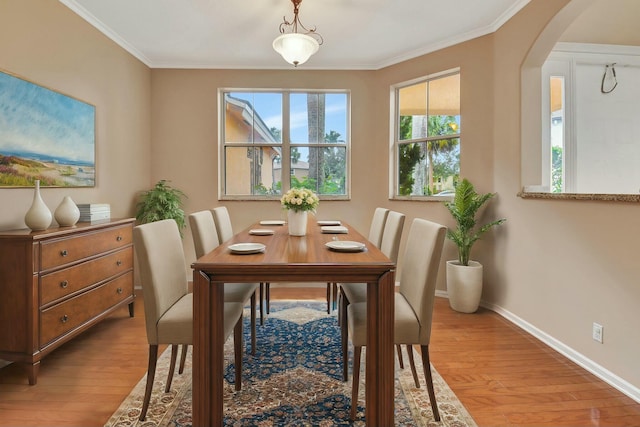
[[44, 135]]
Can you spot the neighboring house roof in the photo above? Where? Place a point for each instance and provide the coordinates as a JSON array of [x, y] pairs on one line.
[[297, 165]]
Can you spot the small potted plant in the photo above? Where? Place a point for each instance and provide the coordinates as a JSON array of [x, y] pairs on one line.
[[298, 202], [464, 276], [161, 202]]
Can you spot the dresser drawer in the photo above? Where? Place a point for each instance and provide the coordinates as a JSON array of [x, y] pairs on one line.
[[72, 313], [54, 286], [55, 253]]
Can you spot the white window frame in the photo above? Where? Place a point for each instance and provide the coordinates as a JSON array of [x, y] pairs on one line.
[[286, 144], [395, 132]]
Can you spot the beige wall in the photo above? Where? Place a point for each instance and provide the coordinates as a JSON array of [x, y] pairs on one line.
[[185, 132], [46, 43], [556, 266], [560, 265]]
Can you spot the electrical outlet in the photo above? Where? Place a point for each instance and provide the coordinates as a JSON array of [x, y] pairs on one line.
[[597, 332]]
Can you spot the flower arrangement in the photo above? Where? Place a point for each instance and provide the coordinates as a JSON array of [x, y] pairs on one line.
[[300, 199]]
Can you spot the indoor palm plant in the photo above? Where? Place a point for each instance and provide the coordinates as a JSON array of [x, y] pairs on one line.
[[161, 202], [464, 276]]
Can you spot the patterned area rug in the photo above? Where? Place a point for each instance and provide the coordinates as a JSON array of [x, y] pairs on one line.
[[293, 380]]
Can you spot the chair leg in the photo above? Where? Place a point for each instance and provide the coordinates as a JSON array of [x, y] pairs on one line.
[[237, 351], [413, 365], [357, 351], [151, 373], [253, 323], [399, 352], [261, 303], [329, 298], [172, 367], [183, 358], [426, 365], [344, 336], [334, 289], [268, 297], [339, 307]]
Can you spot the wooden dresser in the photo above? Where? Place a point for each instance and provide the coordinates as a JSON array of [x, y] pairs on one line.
[[54, 284]]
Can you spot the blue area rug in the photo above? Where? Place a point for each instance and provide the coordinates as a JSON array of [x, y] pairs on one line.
[[295, 379]]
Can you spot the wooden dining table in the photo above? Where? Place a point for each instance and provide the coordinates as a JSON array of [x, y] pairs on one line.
[[290, 260]]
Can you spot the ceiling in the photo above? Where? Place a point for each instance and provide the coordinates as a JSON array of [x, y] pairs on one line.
[[237, 34]]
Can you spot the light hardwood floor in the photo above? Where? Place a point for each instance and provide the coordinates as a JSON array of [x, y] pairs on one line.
[[503, 376]]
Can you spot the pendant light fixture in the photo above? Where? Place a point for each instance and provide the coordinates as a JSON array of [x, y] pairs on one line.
[[296, 48]]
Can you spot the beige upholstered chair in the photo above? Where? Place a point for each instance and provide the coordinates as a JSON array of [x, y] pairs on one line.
[[413, 305], [222, 220], [377, 226], [357, 292], [205, 239], [375, 236], [167, 304]]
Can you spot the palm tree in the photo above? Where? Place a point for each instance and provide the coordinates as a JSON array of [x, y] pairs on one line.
[[440, 125], [315, 120]]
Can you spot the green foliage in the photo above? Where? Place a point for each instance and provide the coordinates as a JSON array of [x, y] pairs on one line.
[[556, 169], [261, 189], [410, 155], [161, 202], [463, 208]]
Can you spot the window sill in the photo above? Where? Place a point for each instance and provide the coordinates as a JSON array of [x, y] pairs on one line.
[[625, 198]]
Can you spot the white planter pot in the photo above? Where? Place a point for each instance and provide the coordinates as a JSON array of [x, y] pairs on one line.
[[464, 286], [297, 223]]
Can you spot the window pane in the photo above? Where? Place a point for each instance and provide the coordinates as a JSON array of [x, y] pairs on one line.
[[412, 104], [252, 170], [446, 167], [253, 117], [428, 115], [412, 166], [556, 99], [318, 117], [444, 96], [322, 170], [315, 120]]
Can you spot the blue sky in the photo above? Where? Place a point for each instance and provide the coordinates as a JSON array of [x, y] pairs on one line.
[[269, 106], [37, 120]]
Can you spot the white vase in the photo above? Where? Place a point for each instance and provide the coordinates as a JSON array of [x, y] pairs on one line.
[[67, 213], [38, 217], [464, 286], [297, 223]]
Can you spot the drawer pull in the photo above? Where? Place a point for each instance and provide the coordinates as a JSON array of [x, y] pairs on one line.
[[119, 290], [64, 252], [118, 263], [64, 284], [119, 238], [64, 319]]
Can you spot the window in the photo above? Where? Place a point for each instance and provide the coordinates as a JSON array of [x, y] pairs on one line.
[[309, 130], [589, 125], [426, 143]]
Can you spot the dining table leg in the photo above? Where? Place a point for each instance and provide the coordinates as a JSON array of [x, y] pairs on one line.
[[380, 375], [208, 355]]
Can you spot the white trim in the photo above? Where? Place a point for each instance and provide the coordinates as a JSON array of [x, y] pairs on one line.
[[584, 362], [107, 31], [596, 49]]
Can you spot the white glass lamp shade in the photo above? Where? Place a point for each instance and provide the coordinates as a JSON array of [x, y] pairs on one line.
[[296, 48]]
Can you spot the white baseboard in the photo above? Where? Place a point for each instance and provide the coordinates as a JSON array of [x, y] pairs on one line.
[[604, 374]]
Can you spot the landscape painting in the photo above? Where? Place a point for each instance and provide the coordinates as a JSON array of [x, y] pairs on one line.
[[44, 135]]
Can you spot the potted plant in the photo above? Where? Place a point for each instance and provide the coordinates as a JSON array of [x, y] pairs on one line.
[[464, 276], [298, 202], [161, 202]]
